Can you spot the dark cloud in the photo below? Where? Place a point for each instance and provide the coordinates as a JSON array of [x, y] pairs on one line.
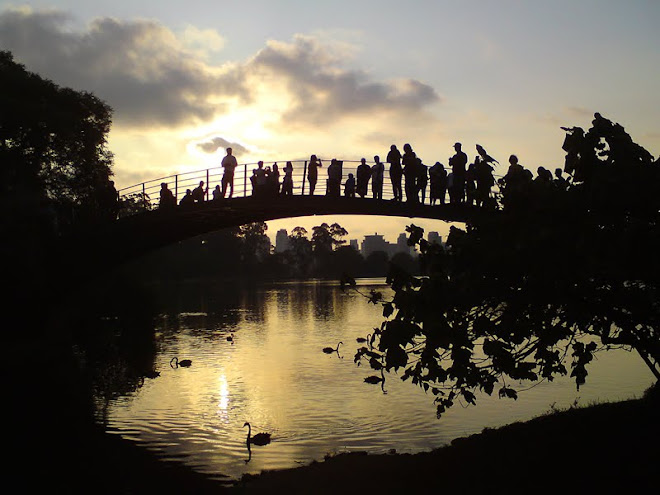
[[213, 144], [138, 67], [323, 88], [149, 78]]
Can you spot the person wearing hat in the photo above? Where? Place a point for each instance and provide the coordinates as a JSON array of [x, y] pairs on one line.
[[458, 164]]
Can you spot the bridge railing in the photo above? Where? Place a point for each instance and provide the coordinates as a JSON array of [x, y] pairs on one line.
[[145, 196]]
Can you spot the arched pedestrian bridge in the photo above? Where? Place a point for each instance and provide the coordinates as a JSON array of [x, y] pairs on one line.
[[143, 226]]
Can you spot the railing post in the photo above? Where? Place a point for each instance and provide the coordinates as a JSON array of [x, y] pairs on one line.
[[176, 188], [144, 197], [245, 180], [207, 184], [304, 176]]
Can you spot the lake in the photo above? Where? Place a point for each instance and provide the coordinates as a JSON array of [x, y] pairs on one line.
[[273, 374]]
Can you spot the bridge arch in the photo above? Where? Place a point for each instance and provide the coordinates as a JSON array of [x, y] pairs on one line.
[[143, 227]]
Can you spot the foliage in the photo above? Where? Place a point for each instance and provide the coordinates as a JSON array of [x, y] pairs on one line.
[[326, 238], [255, 244], [52, 143], [535, 289]]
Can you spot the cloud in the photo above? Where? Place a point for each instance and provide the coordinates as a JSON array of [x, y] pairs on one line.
[[211, 145], [322, 88], [154, 77], [140, 68]]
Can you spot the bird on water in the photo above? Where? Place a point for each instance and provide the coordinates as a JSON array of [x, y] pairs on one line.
[[330, 350], [258, 439], [175, 363]]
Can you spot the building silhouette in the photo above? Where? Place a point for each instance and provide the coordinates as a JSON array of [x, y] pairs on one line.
[[435, 238], [281, 241]]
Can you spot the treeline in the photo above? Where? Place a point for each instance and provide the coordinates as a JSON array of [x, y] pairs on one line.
[[245, 253]]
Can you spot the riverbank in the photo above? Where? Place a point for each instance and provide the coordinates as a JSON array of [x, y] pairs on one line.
[[606, 448]]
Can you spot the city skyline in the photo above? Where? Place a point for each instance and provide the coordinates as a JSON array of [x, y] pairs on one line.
[[374, 242]]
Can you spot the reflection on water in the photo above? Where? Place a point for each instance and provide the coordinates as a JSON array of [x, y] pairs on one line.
[[274, 374]]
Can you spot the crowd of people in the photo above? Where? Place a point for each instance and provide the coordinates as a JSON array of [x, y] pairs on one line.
[[462, 182]]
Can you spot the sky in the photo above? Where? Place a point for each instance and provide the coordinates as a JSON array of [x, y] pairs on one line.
[[283, 79]]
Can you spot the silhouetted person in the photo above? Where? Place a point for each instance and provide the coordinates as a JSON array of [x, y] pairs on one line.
[[199, 192], [167, 199], [253, 181], [260, 179], [458, 164], [560, 181], [438, 183], [451, 189], [377, 176], [396, 172], [187, 201], [514, 179], [229, 163], [109, 201], [515, 184], [349, 186], [274, 181], [334, 178], [313, 173], [410, 173], [217, 193], [483, 174], [363, 176], [287, 182], [422, 179]]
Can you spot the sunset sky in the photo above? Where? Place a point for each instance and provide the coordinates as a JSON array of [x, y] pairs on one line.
[[280, 80]]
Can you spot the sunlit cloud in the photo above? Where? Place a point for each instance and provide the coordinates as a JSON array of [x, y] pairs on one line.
[[322, 88], [211, 145]]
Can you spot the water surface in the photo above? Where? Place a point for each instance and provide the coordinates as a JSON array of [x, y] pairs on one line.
[[274, 374]]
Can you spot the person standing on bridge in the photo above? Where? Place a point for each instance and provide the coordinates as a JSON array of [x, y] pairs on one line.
[[394, 159], [458, 164], [363, 176], [410, 172], [287, 183], [422, 179], [229, 163], [313, 173], [377, 174]]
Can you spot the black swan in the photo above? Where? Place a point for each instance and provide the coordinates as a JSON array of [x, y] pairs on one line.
[[330, 350], [258, 439], [184, 362]]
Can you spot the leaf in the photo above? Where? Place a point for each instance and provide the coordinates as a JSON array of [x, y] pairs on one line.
[[388, 309], [508, 393]]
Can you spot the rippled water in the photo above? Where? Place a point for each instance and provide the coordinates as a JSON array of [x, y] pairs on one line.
[[275, 375]]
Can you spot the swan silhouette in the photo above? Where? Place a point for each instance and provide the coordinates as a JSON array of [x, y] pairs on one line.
[[184, 362], [330, 350], [374, 380], [258, 439], [362, 339]]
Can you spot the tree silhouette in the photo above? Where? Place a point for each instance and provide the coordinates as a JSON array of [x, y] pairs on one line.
[[52, 144], [535, 289]]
